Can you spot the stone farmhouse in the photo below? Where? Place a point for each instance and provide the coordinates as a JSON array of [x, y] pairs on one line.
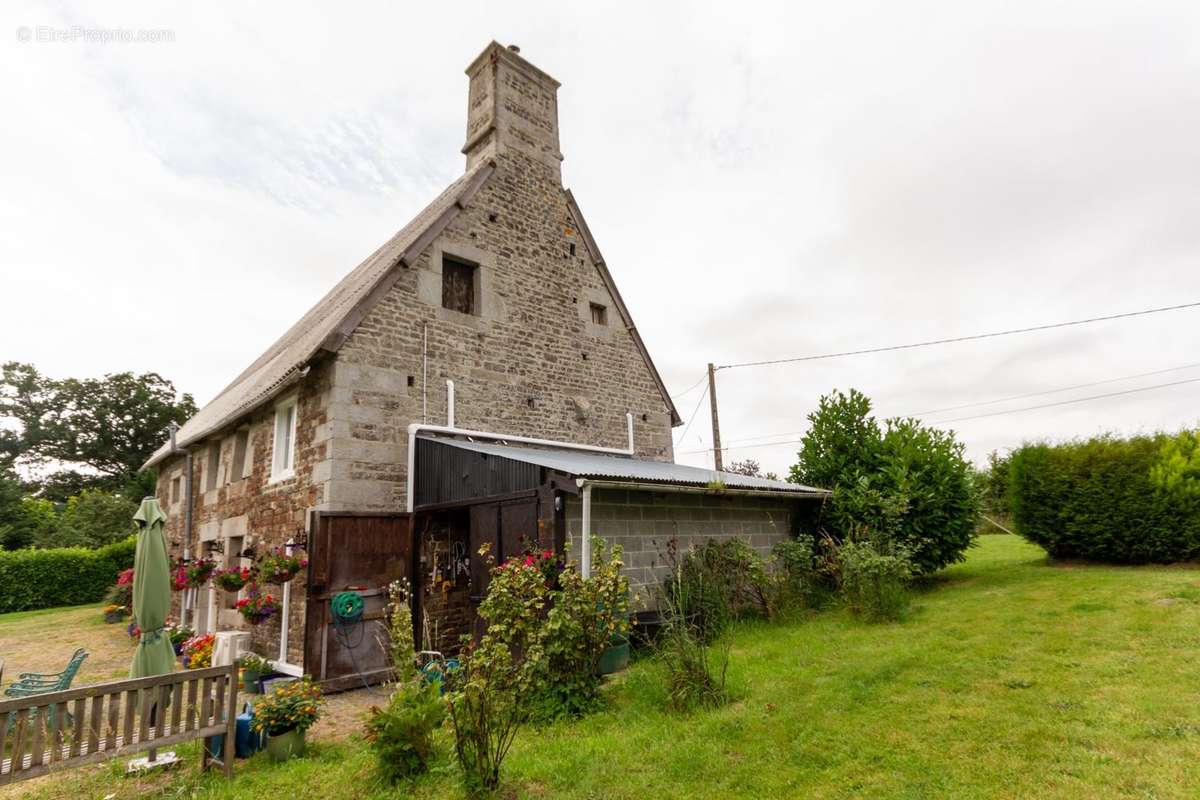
[[477, 379]]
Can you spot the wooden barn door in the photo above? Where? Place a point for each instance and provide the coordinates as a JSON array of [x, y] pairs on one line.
[[361, 553]]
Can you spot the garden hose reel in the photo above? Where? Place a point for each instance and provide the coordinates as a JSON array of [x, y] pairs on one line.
[[347, 608]]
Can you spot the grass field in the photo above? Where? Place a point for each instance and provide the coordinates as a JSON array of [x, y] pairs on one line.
[[1012, 678]]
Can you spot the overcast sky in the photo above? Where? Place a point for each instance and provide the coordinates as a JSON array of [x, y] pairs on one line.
[[764, 181]]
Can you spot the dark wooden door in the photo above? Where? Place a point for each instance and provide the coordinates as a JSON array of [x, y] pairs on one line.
[[361, 553]]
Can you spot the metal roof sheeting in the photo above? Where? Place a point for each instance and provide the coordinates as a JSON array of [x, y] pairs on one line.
[[583, 464]]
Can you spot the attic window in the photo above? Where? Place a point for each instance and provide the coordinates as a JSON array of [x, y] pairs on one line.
[[458, 285], [599, 314]]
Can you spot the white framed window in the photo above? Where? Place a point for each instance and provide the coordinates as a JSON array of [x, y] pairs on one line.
[[283, 460]]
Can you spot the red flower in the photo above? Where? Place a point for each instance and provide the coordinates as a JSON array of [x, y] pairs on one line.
[[529, 561]]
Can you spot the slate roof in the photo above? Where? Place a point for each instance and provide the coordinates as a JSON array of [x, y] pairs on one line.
[[583, 464], [335, 316], [331, 320]]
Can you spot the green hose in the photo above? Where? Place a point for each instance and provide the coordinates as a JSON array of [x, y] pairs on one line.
[[347, 607]]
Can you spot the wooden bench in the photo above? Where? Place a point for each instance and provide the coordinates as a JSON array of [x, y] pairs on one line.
[[107, 721]]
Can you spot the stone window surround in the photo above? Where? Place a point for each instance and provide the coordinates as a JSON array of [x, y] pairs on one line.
[[277, 474], [583, 307], [429, 283]]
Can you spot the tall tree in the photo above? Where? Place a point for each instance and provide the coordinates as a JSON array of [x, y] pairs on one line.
[[98, 430]]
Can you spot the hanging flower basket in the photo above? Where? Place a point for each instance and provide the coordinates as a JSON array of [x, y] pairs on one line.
[[278, 567], [232, 580], [179, 577], [199, 571], [257, 608]]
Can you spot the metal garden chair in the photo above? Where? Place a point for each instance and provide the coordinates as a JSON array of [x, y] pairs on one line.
[[29, 684]]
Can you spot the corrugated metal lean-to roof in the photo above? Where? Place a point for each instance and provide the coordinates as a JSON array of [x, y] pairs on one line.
[[582, 464]]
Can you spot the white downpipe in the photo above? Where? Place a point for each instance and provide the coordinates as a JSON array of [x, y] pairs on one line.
[[585, 534], [417, 427], [449, 404], [282, 665], [629, 427], [287, 606]]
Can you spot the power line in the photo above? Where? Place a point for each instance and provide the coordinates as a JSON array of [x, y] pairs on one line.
[[952, 340], [689, 390], [1068, 402], [1043, 393], [692, 418], [989, 414]]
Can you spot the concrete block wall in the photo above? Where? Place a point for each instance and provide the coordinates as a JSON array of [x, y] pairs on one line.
[[643, 523]]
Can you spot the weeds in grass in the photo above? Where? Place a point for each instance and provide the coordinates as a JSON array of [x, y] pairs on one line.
[[695, 678]]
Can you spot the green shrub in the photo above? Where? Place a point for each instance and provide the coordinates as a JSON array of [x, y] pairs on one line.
[[585, 616], [1134, 500], [875, 581], [796, 579], [905, 482], [63, 576], [401, 735]]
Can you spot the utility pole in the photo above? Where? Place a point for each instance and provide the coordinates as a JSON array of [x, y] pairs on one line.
[[712, 398]]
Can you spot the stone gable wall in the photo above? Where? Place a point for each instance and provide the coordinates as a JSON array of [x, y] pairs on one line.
[[531, 362]]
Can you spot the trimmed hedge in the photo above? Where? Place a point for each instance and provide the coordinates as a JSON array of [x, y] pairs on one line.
[[1129, 501], [63, 576]]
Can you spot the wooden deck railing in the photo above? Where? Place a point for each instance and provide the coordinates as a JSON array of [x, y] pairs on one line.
[[67, 729]]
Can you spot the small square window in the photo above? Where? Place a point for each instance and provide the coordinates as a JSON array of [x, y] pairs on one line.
[[458, 285], [599, 314]]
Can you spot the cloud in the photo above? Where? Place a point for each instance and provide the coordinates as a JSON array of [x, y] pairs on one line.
[[765, 180]]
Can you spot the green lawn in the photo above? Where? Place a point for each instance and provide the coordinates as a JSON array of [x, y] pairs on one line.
[[1011, 678]]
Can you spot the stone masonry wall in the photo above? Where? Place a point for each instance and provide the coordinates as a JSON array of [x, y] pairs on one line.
[[531, 362], [253, 506], [644, 522]]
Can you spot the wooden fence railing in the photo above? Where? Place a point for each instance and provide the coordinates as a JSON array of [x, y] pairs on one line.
[[67, 729]]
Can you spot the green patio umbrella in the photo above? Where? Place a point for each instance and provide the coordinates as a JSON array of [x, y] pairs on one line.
[[151, 594]]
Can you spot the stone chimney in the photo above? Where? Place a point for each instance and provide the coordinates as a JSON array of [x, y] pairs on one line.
[[512, 110]]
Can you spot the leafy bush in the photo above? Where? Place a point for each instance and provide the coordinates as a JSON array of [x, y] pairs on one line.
[[585, 615], [63, 576], [497, 677], [905, 482], [401, 735], [1133, 500], [875, 581], [796, 578], [693, 679]]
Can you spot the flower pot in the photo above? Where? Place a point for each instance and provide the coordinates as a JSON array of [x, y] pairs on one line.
[[282, 746], [250, 682], [615, 657]]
